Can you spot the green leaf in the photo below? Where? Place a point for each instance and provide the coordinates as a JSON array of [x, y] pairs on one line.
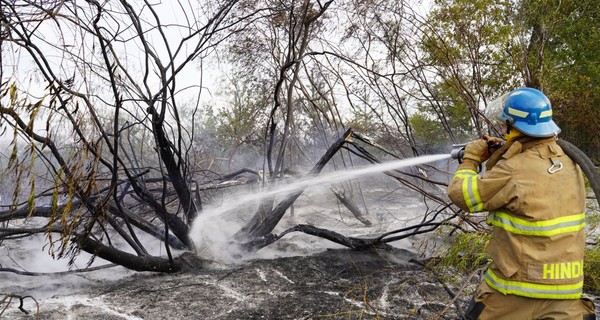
[[13, 94]]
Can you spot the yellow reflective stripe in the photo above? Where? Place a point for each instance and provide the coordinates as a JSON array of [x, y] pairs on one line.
[[533, 290], [471, 194], [545, 114], [469, 188], [518, 113], [545, 228], [469, 172], [464, 173]]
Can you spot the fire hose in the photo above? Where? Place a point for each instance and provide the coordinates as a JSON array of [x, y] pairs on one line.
[[586, 165]]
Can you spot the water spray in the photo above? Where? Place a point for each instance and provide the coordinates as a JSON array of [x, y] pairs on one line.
[[213, 229]]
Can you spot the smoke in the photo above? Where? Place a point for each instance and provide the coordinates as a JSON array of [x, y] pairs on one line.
[[212, 233], [214, 229], [31, 254]]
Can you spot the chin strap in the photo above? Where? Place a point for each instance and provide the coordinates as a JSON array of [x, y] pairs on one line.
[[511, 133]]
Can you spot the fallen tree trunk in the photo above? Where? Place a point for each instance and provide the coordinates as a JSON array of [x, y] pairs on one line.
[[350, 242], [127, 260], [381, 241]]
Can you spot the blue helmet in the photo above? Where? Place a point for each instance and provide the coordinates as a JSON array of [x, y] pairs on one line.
[[529, 111]]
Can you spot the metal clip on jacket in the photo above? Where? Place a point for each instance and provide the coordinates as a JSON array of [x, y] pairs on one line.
[[556, 166]]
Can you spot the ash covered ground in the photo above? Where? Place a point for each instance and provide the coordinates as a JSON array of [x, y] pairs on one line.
[[334, 284], [298, 277]]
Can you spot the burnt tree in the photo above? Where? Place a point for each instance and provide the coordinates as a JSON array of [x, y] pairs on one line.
[[102, 152]]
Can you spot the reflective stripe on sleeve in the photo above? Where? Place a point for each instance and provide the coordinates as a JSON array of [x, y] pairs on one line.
[[469, 189], [464, 173], [533, 290], [542, 228]]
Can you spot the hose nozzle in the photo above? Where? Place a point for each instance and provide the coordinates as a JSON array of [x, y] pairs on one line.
[[458, 151]]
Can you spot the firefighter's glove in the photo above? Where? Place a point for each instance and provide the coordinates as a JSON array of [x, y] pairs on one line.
[[477, 151], [494, 143]]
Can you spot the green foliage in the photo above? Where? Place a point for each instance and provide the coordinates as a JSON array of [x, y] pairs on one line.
[[427, 131], [564, 41], [591, 270], [466, 251], [482, 49], [362, 120], [448, 119], [233, 131], [591, 265], [469, 44]]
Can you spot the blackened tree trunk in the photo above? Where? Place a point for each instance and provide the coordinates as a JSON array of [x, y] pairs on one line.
[[260, 225]]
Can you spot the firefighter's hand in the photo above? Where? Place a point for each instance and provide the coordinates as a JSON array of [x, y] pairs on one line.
[[477, 151], [494, 143]]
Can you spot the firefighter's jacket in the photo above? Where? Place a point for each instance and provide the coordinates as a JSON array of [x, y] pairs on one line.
[[537, 217]]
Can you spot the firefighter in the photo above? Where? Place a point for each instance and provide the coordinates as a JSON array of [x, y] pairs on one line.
[[535, 197]]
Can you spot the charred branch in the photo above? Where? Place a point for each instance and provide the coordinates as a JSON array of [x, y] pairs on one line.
[[350, 242], [7, 299], [25, 212], [381, 241], [127, 260], [16, 233], [354, 209], [174, 168], [236, 178], [36, 274], [152, 229], [260, 225]]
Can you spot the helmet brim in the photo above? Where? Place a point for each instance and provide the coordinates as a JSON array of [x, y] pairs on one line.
[[538, 130]]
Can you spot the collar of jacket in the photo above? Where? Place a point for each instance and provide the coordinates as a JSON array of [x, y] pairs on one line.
[[514, 147], [528, 143]]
